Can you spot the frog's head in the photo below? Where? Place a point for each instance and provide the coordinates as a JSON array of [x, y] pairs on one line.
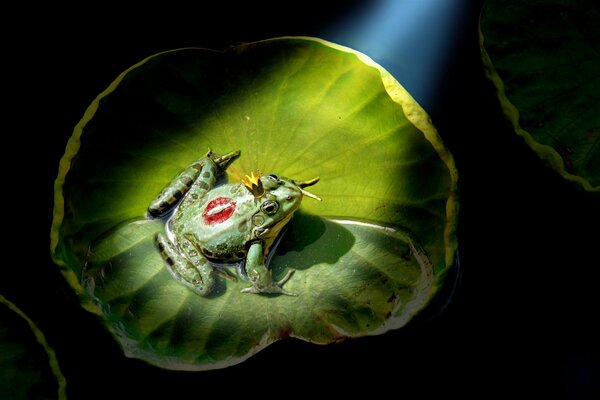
[[279, 197]]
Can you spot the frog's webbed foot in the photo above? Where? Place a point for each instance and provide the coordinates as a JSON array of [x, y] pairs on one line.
[[286, 278], [271, 287]]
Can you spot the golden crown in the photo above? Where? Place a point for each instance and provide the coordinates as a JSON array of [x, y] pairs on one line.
[[253, 184]]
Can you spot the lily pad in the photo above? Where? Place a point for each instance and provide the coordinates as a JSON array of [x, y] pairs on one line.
[[28, 366], [367, 258], [543, 57], [380, 286]]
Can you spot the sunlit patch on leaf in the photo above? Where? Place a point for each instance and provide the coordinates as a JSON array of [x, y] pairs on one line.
[[298, 107]]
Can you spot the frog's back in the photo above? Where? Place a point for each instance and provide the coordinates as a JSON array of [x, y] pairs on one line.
[[221, 222]]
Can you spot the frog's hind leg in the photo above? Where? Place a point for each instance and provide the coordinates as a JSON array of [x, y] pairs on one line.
[[196, 179], [199, 275], [210, 167], [176, 189]]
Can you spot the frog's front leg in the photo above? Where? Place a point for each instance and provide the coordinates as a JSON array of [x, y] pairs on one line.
[[190, 269], [196, 179], [260, 276]]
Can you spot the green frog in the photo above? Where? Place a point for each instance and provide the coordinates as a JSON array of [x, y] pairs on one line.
[[230, 223]]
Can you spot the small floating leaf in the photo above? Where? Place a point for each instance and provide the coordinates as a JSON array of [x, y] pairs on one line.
[[298, 107], [28, 366], [543, 56]]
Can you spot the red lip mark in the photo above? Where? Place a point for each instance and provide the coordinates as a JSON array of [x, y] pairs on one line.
[[218, 210]]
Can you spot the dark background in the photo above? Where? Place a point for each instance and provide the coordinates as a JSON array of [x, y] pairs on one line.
[[521, 323]]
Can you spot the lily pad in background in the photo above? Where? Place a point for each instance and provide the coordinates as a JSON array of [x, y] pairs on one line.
[[28, 366], [543, 56], [368, 257]]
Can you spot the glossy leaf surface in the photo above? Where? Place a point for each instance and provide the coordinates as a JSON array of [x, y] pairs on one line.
[[298, 107]]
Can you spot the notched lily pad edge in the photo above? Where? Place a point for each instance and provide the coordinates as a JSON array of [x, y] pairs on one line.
[[547, 153], [41, 339]]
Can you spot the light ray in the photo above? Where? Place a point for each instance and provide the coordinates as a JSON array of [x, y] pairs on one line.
[[412, 39]]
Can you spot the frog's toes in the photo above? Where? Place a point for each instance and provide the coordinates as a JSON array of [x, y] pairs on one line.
[[286, 278], [251, 289], [274, 288], [279, 284]]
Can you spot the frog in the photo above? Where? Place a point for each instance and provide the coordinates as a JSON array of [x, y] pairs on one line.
[[212, 225]]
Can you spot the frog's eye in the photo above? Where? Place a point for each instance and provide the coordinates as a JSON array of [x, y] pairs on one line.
[[270, 207], [274, 177]]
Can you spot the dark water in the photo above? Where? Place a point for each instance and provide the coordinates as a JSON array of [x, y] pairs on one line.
[[522, 322]]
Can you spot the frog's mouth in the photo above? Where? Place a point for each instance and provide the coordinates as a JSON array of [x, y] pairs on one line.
[[307, 183]]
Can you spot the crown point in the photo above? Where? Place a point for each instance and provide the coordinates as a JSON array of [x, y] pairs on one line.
[[253, 184]]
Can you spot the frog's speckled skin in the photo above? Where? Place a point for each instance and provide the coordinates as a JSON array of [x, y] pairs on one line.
[[229, 223]]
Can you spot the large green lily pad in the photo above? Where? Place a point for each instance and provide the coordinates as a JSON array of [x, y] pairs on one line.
[[543, 56], [28, 365], [367, 258]]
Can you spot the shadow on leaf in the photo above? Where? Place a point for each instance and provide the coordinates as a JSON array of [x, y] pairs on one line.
[[312, 240]]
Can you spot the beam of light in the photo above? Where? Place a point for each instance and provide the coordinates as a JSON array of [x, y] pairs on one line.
[[412, 39]]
